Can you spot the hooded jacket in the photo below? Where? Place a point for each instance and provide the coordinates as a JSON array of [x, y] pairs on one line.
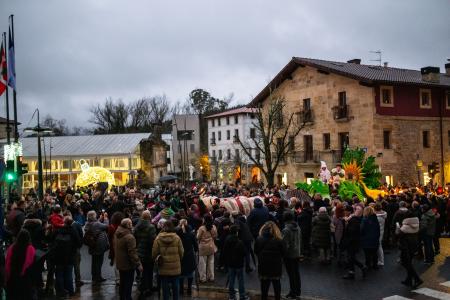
[[408, 234], [321, 231], [428, 223], [145, 234], [292, 240], [370, 232], [170, 247], [258, 217], [125, 250]]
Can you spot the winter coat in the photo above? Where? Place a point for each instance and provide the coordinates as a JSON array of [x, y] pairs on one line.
[[370, 232], [399, 216], [270, 252], [14, 220], [37, 232], [170, 247], [321, 231], [111, 231], [304, 220], [381, 216], [20, 286], [234, 252], [245, 234], [408, 235], [100, 231], [292, 240], [428, 223], [258, 217], [339, 225], [126, 257], [145, 234], [206, 244], [352, 233], [66, 241], [190, 246]]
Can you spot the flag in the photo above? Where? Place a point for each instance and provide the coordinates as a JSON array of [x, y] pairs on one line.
[[11, 63], [3, 70]]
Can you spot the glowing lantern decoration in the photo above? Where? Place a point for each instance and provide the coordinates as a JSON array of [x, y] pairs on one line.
[[93, 175]]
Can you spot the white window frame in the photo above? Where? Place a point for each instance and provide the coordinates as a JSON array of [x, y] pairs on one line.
[[420, 98], [391, 90]]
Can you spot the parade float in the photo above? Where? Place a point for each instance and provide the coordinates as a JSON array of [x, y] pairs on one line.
[[93, 175], [356, 175]]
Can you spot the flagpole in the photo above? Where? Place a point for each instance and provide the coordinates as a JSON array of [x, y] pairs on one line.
[[8, 128], [16, 131]]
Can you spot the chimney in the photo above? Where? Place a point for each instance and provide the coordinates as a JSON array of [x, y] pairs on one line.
[[385, 64], [447, 69], [354, 61], [430, 74]]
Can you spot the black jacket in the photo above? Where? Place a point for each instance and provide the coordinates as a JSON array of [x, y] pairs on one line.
[[65, 243], [145, 234], [304, 220], [271, 252], [190, 246], [234, 252], [352, 234]]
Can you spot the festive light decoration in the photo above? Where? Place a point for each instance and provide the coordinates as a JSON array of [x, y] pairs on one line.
[[10, 152], [93, 175]]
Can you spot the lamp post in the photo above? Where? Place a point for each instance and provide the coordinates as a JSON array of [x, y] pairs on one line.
[[39, 131]]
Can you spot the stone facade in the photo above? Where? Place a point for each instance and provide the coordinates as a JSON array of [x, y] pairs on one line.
[[364, 127]]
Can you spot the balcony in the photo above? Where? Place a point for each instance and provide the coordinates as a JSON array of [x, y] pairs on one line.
[[213, 142], [305, 157], [305, 116], [341, 112]]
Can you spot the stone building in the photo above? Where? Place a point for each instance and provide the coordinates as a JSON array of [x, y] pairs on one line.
[[400, 116]]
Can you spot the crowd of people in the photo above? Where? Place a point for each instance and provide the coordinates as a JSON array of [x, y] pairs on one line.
[[172, 234]]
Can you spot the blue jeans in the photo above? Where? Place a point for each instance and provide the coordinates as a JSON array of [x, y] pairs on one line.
[[165, 282], [232, 274], [64, 279]]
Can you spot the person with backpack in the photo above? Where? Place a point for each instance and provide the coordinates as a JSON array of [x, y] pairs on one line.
[[234, 256], [96, 238], [145, 234], [65, 245], [126, 258]]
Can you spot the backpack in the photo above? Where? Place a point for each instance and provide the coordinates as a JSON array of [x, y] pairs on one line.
[[63, 243], [90, 239]]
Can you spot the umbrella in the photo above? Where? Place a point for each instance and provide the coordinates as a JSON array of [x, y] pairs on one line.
[[168, 178]]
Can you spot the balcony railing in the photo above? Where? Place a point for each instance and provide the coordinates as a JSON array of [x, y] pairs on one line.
[[341, 112], [305, 116], [213, 142], [302, 157]]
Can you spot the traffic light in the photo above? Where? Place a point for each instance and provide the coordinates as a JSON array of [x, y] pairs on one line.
[[21, 167], [10, 174]]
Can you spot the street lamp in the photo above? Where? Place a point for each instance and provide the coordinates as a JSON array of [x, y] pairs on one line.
[[39, 131]]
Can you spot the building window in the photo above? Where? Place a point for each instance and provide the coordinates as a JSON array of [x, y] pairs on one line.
[[66, 164], [236, 119], [236, 133], [214, 154], [278, 118], [220, 154], [218, 122], [219, 135], [291, 143], [252, 116], [192, 148], [213, 123], [252, 133], [342, 98], [120, 163], [228, 154], [236, 153], [306, 104], [425, 98], [228, 135], [279, 144], [107, 163], [387, 139], [228, 120], [326, 141], [447, 100], [426, 139], [257, 155], [213, 136], [387, 96]]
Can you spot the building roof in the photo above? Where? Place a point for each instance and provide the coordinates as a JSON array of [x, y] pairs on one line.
[[11, 121], [365, 73], [234, 111], [85, 145]]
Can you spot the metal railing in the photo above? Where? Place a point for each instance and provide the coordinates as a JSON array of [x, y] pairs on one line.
[[340, 112]]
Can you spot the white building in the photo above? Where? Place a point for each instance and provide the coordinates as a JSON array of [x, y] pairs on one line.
[[229, 163], [167, 138]]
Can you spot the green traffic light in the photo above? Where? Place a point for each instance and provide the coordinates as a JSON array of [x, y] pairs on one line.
[[10, 177]]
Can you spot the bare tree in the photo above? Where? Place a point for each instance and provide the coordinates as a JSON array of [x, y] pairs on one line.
[[58, 127], [112, 117], [276, 129]]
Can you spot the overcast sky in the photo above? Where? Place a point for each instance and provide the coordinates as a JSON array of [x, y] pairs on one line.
[[71, 55]]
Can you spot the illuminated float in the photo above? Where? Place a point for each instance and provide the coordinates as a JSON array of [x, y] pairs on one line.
[[93, 175]]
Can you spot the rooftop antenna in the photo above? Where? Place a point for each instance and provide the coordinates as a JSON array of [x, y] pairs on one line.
[[379, 56]]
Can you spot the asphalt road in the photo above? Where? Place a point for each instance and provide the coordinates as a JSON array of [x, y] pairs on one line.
[[318, 281]]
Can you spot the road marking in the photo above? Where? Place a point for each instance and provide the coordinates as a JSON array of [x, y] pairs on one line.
[[433, 293], [447, 283], [396, 297]]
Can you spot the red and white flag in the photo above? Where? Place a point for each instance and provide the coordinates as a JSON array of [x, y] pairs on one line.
[[3, 70]]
